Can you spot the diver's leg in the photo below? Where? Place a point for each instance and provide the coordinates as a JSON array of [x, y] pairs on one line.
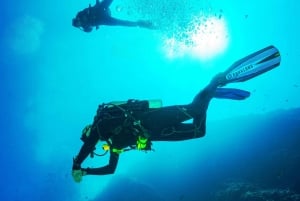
[[182, 131], [165, 124], [201, 101], [156, 120], [169, 118], [117, 22], [166, 116], [146, 24], [162, 120]]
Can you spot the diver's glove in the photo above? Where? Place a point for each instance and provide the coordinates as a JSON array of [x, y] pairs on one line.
[[77, 171], [77, 175]]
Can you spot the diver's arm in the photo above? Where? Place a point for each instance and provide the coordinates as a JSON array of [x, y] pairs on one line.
[[86, 149], [108, 169]]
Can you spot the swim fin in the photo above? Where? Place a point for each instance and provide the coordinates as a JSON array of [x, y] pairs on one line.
[[230, 93], [253, 65]]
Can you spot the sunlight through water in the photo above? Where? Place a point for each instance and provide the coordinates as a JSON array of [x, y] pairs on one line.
[[204, 38]]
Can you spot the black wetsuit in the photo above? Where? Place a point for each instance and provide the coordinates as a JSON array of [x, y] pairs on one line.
[[100, 14], [161, 124]]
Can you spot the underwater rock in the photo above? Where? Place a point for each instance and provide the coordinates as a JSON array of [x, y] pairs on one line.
[[239, 191]]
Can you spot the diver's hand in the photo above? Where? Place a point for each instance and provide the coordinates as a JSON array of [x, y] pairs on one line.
[[77, 175]]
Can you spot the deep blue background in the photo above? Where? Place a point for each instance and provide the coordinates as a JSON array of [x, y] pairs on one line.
[[53, 76]]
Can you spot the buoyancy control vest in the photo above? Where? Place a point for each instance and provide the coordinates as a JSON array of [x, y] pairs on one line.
[[112, 118]]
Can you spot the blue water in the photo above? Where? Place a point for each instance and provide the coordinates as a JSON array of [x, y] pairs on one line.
[[53, 76]]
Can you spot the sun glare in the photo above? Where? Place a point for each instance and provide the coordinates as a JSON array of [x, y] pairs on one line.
[[204, 38]]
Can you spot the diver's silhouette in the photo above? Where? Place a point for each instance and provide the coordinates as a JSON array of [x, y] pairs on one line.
[[135, 124], [100, 14]]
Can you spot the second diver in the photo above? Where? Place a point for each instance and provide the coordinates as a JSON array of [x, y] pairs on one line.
[[100, 14]]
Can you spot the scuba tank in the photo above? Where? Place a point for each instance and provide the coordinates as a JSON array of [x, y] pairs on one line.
[[117, 109]]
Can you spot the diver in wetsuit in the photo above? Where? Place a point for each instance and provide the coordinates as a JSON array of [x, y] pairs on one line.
[[100, 14], [134, 125]]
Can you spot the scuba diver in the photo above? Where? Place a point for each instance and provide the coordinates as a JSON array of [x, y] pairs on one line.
[[100, 14], [134, 125]]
